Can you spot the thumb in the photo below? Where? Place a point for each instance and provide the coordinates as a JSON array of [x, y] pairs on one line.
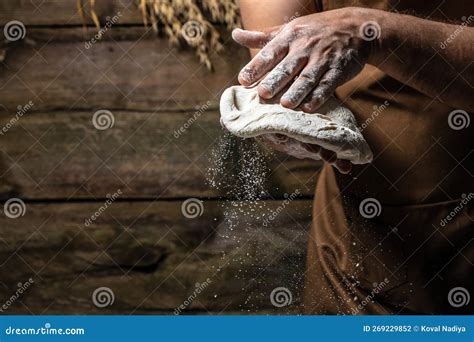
[[255, 39]]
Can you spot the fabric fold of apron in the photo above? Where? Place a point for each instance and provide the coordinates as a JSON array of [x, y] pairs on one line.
[[389, 260]]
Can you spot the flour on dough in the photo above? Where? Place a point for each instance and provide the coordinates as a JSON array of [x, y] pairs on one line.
[[334, 127]]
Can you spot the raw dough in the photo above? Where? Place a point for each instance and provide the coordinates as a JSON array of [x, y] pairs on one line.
[[334, 127], [293, 147]]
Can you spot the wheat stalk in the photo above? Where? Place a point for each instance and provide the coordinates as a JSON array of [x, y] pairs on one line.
[[178, 18]]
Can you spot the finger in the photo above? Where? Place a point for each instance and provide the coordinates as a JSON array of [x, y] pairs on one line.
[[328, 156], [264, 61], [276, 97], [326, 88], [344, 166], [280, 76], [303, 85], [255, 39]]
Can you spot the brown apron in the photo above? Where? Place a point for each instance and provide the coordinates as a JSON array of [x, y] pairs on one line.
[[396, 236]]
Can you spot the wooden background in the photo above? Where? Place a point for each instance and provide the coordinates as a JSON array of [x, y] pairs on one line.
[[141, 246]]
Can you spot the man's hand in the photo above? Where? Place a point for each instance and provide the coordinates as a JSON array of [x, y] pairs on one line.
[[303, 62], [278, 143], [312, 55]]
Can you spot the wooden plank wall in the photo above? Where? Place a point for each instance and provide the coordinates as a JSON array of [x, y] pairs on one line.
[[141, 246]]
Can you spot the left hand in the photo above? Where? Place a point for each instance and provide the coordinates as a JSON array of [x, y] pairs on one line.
[[312, 55], [279, 143]]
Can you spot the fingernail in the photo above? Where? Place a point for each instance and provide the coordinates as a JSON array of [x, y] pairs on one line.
[[236, 31], [264, 91], [246, 75], [287, 99], [243, 77]]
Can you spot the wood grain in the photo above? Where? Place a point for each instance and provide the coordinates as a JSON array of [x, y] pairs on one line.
[[152, 257], [64, 12], [141, 246], [137, 71], [62, 155]]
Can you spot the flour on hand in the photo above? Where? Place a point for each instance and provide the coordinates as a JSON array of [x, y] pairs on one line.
[[333, 127]]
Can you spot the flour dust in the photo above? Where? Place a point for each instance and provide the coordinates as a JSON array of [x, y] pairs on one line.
[[240, 170]]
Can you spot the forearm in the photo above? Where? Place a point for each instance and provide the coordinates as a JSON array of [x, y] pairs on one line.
[[262, 14], [317, 53], [433, 57]]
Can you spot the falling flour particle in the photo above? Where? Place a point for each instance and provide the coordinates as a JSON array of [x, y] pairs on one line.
[[238, 168]]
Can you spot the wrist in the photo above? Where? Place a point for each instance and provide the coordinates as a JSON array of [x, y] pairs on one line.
[[371, 26]]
